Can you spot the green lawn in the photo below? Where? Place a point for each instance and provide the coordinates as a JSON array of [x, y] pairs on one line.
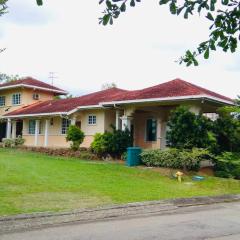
[[31, 182]]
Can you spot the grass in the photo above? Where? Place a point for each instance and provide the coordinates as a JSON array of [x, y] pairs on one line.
[[32, 182]]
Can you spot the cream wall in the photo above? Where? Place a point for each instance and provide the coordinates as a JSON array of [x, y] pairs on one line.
[[26, 98]]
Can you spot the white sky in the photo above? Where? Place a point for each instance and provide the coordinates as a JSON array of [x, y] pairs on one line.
[[138, 51]]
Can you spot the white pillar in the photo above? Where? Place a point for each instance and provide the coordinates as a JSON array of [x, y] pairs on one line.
[[14, 129], [36, 132], [73, 121], [8, 128], [46, 133], [126, 122], [117, 119]]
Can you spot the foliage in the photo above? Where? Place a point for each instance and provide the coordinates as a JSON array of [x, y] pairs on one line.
[[175, 158], [109, 85], [114, 143], [3, 7], [76, 136], [227, 131], [188, 130], [223, 16], [228, 165], [11, 143], [8, 78]]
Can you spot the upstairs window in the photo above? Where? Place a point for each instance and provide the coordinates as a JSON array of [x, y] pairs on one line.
[[16, 99], [92, 120], [151, 130], [2, 100], [65, 125]]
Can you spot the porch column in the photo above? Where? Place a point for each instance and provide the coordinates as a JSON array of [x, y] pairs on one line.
[[117, 119], [9, 128], [36, 132], [46, 132], [73, 121], [14, 129], [126, 122]]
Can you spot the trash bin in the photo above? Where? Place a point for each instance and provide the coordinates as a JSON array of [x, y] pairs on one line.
[[133, 156]]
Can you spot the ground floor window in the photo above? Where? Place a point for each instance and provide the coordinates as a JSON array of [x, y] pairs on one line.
[[92, 120], [32, 126], [151, 130], [65, 125]]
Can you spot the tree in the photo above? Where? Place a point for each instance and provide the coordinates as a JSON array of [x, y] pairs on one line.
[[3, 8], [8, 78], [109, 85], [187, 130], [223, 15]]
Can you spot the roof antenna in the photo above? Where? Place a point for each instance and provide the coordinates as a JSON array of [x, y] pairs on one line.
[[52, 77]]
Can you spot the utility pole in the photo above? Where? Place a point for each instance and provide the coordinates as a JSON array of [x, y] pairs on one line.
[[52, 77]]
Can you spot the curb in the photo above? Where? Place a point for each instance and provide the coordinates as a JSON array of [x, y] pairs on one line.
[[37, 220]]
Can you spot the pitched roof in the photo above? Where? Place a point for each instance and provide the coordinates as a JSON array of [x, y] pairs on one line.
[[31, 83], [172, 89]]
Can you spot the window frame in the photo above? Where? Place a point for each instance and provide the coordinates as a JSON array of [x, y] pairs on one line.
[[36, 96], [14, 99], [67, 123], [34, 127], [154, 139], [4, 100], [92, 120]]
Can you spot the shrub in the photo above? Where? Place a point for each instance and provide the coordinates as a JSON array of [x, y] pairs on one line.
[[11, 143], [175, 158], [76, 136], [188, 130], [114, 143], [227, 165]]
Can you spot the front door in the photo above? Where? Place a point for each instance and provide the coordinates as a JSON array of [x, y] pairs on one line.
[[19, 128]]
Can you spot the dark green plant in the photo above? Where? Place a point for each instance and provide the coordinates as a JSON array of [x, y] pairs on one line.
[[188, 130], [114, 143], [227, 165], [175, 158], [76, 136]]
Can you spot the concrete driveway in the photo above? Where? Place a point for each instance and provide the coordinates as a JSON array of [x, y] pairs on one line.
[[217, 221]]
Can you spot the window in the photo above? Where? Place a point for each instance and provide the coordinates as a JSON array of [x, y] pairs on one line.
[[36, 96], [65, 125], [16, 99], [151, 130], [2, 100], [32, 126], [92, 120]]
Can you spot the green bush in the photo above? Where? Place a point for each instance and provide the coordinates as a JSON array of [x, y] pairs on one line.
[[114, 143], [175, 158], [227, 165], [19, 141], [76, 136], [188, 130]]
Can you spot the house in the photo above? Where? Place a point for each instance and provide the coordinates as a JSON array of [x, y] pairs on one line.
[[28, 108]]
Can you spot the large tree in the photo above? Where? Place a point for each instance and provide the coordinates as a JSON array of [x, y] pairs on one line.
[[224, 17]]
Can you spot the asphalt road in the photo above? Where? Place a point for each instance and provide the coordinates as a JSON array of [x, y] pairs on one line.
[[215, 222]]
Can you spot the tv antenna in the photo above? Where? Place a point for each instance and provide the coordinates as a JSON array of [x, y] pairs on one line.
[[52, 77]]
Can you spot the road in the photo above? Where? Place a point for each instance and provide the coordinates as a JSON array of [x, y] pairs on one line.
[[213, 222]]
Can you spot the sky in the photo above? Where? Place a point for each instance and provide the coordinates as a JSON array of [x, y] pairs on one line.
[[140, 50]]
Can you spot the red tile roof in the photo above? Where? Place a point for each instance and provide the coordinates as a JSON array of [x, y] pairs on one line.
[[31, 82], [174, 88]]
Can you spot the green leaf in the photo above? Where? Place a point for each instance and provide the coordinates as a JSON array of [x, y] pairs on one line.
[[39, 2], [132, 3], [163, 2], [209, 16], [123, 7], [106, 19], [206, 54]]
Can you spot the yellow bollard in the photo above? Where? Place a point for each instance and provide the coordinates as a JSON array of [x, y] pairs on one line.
[[179, 176]]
